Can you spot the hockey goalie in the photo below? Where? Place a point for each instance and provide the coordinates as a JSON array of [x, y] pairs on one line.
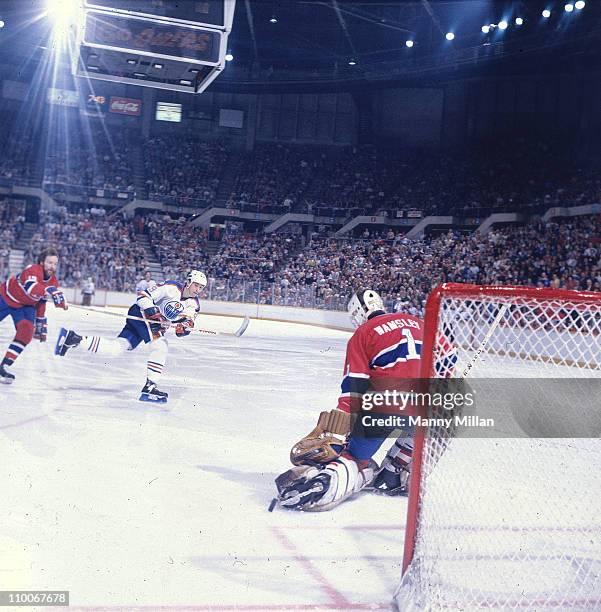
[[331, 464]]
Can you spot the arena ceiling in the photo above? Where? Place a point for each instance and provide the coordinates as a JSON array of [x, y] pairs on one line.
[[366, 41]]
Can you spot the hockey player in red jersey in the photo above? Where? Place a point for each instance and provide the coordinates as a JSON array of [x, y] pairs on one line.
[[331, 463], [23, 297]]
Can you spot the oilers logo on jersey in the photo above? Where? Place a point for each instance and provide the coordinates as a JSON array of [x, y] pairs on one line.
[[173, 310]]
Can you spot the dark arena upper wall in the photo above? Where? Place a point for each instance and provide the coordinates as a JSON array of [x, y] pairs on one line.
[[447, 115]]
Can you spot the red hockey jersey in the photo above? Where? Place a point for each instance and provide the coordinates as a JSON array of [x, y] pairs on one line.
[[386, 346], [28, 289]]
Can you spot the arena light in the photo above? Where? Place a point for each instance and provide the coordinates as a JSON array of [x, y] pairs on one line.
[[409, 43], [158, 66], [62, 12], [229, 57], [273, 19], [580, 5], [450, 36], [546, 13], [519, 21], [568, 8], [503, 25], [352, 62], [2, 24], [485, 29]]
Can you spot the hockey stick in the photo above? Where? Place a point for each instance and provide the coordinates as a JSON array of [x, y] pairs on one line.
[[209, 332], [485, 340]]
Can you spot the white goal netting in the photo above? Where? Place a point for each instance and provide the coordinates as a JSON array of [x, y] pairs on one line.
[[511, 519]]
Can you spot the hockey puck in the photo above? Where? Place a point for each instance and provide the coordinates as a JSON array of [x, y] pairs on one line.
[[274, 501]]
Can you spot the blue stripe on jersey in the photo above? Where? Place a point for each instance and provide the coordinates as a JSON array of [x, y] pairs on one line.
[[396, 353], [353, 384]]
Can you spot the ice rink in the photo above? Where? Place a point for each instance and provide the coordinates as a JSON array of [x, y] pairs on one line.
[[128, 504]]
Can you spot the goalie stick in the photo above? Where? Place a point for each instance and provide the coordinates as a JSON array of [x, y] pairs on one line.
[[485, 340], [210, 332]]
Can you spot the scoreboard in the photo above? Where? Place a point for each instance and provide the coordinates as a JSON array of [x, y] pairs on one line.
[[163, 44], [155, 38], [210, 13]]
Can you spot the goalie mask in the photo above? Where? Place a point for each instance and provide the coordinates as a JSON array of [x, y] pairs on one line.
[[363, 304]]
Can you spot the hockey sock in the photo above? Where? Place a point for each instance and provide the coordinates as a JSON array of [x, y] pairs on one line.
[[21, 340], [156, 360], [105, 346], [15, 348]]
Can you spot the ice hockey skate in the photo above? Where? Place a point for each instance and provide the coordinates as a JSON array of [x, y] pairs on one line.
[[6, 377], [151, 393], [67, 339]]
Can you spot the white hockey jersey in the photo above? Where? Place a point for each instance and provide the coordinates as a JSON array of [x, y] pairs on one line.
[[167, 297]]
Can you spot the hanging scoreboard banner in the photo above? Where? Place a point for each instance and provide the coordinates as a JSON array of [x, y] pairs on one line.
[[214, 13], [153, 38], [179, 46]]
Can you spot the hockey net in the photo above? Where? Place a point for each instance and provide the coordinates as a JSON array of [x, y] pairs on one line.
[[513, 520]]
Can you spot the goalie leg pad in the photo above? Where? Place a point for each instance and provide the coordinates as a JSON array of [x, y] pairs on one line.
[[393, 477], [317, 490]]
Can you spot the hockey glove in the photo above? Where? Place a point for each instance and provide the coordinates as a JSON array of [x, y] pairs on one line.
[[154, 318], [40, 329], [325, 442], [183, 328], [58, 297]]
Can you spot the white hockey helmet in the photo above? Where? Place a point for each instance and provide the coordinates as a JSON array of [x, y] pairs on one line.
[[196, 276], [363, 304]]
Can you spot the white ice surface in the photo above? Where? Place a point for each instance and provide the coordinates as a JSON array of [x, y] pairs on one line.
[[130, 504]]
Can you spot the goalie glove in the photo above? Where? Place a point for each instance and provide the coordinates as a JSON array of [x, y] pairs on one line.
[[316, 489], [58, 297], [325, 442], [40, 331]]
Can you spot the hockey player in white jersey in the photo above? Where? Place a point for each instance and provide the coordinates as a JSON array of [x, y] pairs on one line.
[[159, 307]]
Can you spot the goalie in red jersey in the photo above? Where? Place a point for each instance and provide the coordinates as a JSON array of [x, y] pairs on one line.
[[23, 297], [333, 463]]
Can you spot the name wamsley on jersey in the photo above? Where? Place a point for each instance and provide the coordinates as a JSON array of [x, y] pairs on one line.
[[395, 324]]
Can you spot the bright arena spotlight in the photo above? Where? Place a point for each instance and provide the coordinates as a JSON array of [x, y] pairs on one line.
[[485, 29], [64, 15], [580, 5], [569, 7], [519, 21], [546, 13], [62, 11], [450, 36], [503, 25], [409, 43]]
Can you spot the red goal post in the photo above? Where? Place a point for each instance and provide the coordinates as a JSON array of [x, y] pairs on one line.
[[545, 332]]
